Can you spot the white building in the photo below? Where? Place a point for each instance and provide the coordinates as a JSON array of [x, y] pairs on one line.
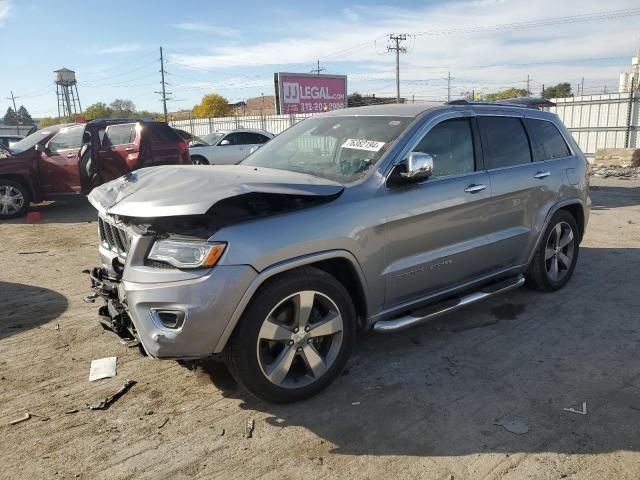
[[630, 77]]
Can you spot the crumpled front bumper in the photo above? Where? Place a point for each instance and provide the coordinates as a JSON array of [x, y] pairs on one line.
[[208, 303]]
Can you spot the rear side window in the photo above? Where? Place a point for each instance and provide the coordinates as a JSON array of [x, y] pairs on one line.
[[67, 138], [549, 139], [450, 143], [162, 132], [507, 141], [119, 134]]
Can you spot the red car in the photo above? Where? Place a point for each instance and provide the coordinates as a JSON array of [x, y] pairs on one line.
[[74, 158]]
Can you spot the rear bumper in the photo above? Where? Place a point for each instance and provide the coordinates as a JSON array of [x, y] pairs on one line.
[[205, 303]]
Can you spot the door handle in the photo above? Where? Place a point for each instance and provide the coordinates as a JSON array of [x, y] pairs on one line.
[[473, 188], [128, 149], [542, 174], [71, 155]]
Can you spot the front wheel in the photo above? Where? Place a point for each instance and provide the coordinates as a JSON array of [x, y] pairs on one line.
[[294, 338], [14, 199], [198, 160], [556, 256]]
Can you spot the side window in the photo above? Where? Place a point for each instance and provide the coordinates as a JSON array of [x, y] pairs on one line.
[[450, 143], [67, 138], [507, 141], [260, 138], [245, 138], [119, 134], [232, 138], [549, 138]]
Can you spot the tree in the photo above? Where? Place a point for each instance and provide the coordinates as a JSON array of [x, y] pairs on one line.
[[48, 121], [98, 110], [508, 93], [212, 105], [560, 90], [24, 117], [123, 108], [355, 100], [10, 118]]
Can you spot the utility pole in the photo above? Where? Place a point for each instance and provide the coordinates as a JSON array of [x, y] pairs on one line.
[[395, 46], [528, 85], [582, 86], [542, 91], [448, 79], [318, 69], [15, 110], [164, 94]]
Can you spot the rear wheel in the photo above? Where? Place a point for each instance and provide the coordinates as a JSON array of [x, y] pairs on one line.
[[14, 199], [199, 160], [294, 338], [557, 254]]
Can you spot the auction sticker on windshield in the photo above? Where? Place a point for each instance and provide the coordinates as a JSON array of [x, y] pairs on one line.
[[360, 144]]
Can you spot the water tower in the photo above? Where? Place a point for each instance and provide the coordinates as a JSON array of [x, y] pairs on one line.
[[65, 81]]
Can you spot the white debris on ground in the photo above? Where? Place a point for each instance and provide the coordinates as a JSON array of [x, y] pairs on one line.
[[604, 171]]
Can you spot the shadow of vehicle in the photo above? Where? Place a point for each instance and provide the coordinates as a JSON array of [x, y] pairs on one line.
[[605, 197], [25, 307], [443, 389], [74, 209]]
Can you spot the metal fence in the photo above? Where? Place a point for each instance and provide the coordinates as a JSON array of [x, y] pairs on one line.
[[601, 121], [271, 123]]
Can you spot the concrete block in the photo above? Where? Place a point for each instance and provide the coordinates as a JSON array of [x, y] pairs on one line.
[[618, 157]]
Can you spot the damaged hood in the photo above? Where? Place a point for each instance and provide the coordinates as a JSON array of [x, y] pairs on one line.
[[174, 190]]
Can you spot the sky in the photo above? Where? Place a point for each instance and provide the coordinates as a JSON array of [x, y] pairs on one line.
[[233, 48]]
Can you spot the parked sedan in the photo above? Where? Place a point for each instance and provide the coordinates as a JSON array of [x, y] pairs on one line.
[[227, 147]]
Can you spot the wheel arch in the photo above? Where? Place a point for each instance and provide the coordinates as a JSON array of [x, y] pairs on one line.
[[341, 264], [198, 155], [575, 207]]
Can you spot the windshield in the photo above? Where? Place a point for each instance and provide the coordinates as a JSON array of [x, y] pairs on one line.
[[212, 138], [338, 148], [30, 141]]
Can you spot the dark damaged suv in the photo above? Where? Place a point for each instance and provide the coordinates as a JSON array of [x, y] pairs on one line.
[[366, 218], [73, 158]]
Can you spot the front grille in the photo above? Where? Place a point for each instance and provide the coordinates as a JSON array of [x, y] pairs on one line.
[[114, 238]]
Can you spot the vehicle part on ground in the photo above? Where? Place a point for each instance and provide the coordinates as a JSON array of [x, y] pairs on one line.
[[14, 199], [557, 254], [447, 306], [294, 338]]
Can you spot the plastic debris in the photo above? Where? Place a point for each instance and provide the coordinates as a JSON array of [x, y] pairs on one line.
[[166, 420], [24, 418], [513, 426], [107, 402], [249, 426], [103, 368], [573, 410]]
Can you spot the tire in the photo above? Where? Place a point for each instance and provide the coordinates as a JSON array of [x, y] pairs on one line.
[[279, 371], [14, 199], [552, 256], [199, 160]]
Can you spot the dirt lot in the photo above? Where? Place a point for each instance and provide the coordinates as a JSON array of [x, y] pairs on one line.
[[420, 404]]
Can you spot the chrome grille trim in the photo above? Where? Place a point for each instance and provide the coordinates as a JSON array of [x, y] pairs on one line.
[[114, 238]]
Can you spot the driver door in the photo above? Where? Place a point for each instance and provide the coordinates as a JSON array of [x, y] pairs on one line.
[[233, 151], [437, 236], [59, 168]]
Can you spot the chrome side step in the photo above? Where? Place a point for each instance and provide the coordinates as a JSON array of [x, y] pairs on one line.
[[421, 316]]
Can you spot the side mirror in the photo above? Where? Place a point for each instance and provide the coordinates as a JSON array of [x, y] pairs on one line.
[[418, 167], [225, 142], [40, 148]]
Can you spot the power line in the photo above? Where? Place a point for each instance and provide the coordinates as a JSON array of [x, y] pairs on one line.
[[395, 47], [542, 22]]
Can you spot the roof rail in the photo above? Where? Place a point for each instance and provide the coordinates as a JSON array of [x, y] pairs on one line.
[[526, 102]]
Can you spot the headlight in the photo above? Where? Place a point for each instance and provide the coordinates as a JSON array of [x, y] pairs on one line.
[[186, 254]]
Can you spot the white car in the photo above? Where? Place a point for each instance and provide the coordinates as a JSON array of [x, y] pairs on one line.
[[228, 147]]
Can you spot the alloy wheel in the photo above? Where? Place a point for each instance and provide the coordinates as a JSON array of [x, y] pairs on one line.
[[11, 200], [559, 251], [300, 339]]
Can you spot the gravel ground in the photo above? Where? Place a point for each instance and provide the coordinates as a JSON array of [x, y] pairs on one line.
[[424, 403]]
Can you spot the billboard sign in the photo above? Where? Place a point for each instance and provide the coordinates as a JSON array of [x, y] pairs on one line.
[[308, 93]]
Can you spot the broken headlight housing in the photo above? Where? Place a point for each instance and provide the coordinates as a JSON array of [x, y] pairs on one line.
[[185, 254]]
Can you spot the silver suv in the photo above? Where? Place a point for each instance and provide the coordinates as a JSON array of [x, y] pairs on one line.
[[376, 218]]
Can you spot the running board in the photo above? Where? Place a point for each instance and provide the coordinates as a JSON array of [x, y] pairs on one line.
[[421, 316]]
